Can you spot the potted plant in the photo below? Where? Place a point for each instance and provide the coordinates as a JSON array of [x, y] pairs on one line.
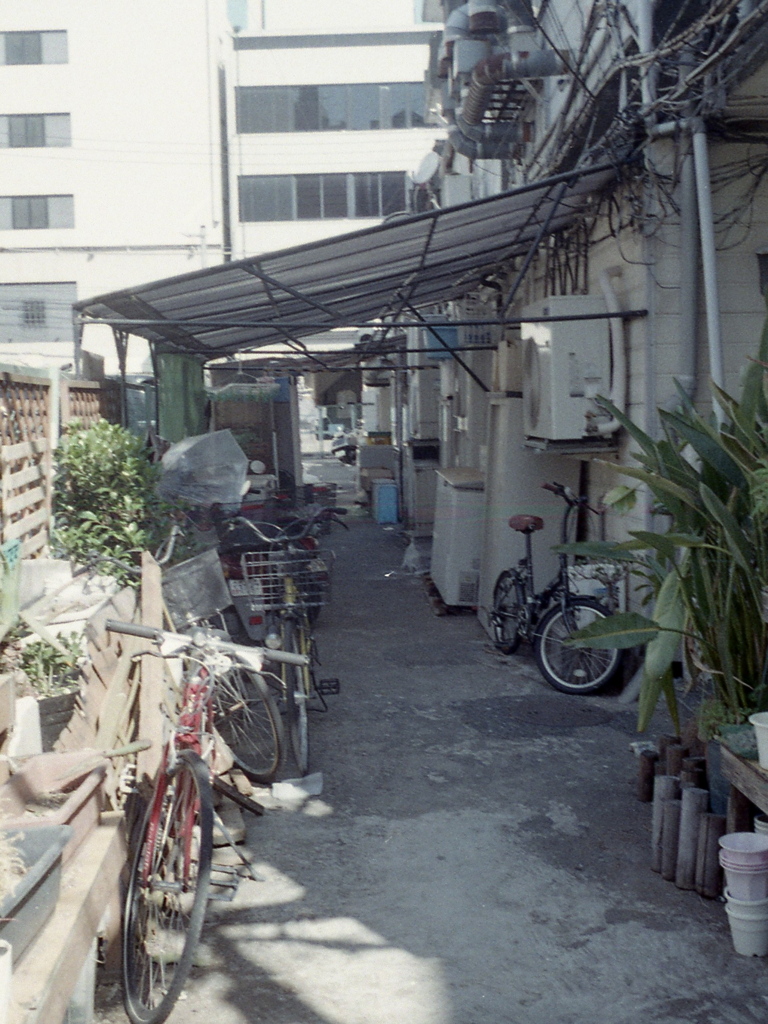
[[707, 570]]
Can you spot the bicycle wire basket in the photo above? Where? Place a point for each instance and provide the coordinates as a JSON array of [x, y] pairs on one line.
[[265, 575]]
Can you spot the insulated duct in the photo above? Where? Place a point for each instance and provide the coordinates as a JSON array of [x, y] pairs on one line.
[[489, 25], [500, 67]]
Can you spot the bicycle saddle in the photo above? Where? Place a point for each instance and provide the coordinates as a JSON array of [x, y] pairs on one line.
[[526, 524]]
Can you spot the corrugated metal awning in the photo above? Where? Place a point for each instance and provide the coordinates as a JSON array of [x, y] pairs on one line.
[[354, 279]]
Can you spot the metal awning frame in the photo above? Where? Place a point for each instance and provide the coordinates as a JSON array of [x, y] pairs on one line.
[[369, 278]]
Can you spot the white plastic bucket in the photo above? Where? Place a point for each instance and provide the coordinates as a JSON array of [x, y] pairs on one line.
[[746, 849], [761, 823], [745, 883], [748, 921], [759, 722]]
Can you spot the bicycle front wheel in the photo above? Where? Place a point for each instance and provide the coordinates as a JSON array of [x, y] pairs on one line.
[[298, 689], [249, 722], [168, 891], [506, 614], [573, 669]]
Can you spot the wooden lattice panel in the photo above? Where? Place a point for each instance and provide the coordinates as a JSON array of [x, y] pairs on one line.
[[89, 401], [25, 408], [25, 488]]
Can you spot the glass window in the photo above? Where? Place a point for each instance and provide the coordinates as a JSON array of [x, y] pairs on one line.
[[408, 102], [33, 312], [306, 110], [23, 48], [335, 204], [266, 197], [322, 196], [54, 46], [366, 195], [392, 193], [312, 108], [61, 211], [308, 197], [333, 107], [58, 130], [33, 48], [364, 109], [30, 212], [26, 130], [264, 109]]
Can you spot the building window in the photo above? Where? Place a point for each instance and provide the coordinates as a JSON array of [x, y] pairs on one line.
[[321, 196], [30, 212], [33, 313], [33, 48], [327, 108], [19, 131]]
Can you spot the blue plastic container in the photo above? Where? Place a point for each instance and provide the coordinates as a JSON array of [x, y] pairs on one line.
[[385, 501]]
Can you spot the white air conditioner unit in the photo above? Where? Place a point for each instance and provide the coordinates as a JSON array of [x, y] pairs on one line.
[[566, 363]]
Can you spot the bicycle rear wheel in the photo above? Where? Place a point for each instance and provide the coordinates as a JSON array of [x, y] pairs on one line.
[[249, 722], [168, 890], [573, 669], [298, 690], [506, 613]]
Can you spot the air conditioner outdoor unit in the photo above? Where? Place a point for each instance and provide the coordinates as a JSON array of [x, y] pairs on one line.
[[566, 363]]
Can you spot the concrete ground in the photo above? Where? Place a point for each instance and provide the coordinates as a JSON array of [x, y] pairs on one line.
[[477, 854]]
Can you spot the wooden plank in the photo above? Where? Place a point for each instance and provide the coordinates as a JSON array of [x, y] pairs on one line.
[[22, 450], [23, 500], [23, 477], [152, 690], [44, 981], [747, 776], [30, 546], [12, 531]]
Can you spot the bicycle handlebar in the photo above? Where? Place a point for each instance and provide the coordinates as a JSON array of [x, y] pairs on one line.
[[295, 530], [160, 636]]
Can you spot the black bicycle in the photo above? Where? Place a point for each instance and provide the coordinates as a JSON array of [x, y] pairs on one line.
[[547, 619]]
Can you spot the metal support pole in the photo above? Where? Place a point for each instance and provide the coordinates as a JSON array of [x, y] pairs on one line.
[[708, 259]]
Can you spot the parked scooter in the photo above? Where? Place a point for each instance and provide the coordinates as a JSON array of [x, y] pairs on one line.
[[345, 449]]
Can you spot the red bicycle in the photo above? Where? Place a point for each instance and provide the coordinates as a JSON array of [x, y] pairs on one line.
[[172, 871]]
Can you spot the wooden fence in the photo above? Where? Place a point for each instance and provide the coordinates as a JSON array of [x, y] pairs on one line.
[[33, 410]]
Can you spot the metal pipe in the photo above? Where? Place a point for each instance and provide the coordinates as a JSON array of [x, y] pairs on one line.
[[203, 323], [689, 276], [618, 394], [708, 260]]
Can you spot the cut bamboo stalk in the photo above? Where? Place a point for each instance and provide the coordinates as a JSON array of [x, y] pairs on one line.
[[709, 874], [665, 787], [646, 775], [694, 803], [670, 837]]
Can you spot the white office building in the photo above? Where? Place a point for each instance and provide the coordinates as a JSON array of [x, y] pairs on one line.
[[143, 141]]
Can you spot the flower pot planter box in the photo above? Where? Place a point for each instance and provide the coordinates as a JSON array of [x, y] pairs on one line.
[[24, 912], [28, 799]]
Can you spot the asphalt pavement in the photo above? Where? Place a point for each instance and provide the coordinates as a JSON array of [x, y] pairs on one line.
[[477, 854]]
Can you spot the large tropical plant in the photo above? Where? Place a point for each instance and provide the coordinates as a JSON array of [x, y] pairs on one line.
[[707, 569]]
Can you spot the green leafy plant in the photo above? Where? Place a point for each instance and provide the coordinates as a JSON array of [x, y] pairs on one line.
[[48, 670], [104, 496], [707, 571]]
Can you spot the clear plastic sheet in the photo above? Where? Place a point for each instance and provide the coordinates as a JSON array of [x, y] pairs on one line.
[[206, 469]]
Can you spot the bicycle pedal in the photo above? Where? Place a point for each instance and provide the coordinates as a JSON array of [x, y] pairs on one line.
[[328, 687]]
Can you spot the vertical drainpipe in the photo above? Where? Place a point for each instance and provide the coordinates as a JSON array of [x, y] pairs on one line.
[[689, 274], [708, 258]]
